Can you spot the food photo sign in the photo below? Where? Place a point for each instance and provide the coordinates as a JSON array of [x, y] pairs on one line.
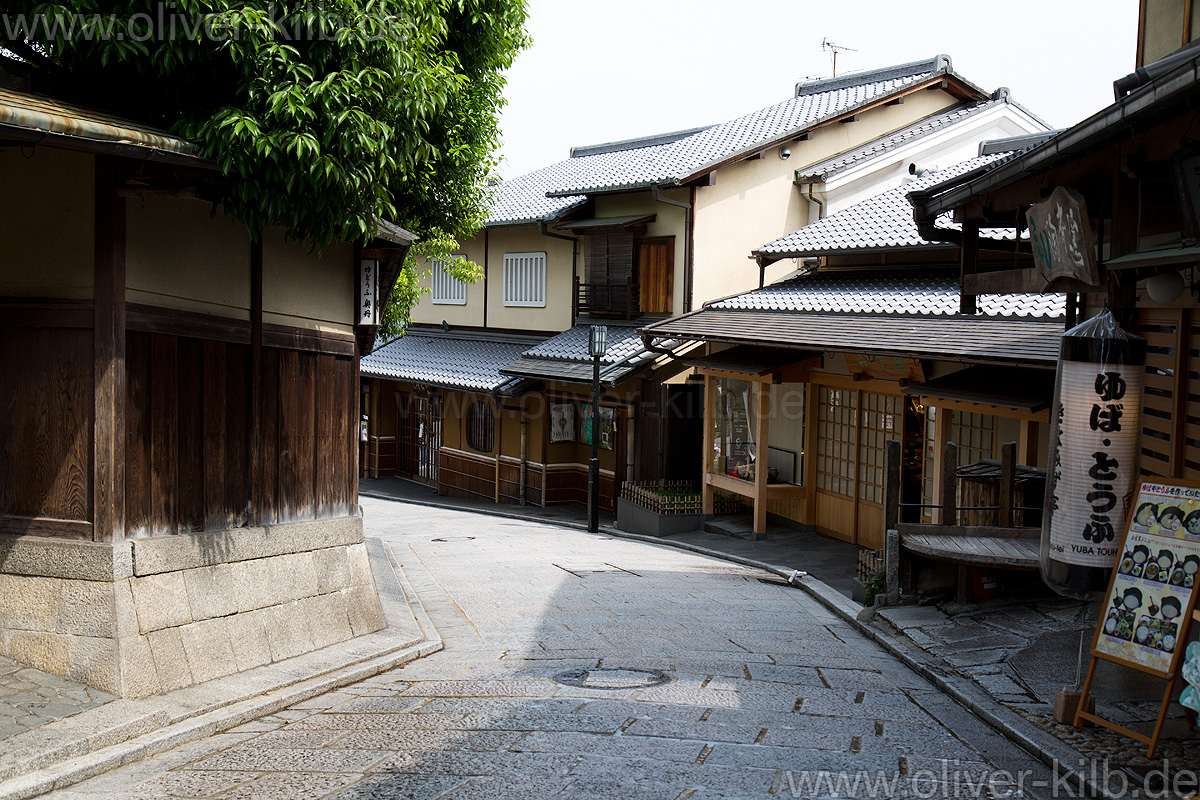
[[1152, 592]]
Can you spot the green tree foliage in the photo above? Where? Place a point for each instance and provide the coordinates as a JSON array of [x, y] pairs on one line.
[[323, 116]]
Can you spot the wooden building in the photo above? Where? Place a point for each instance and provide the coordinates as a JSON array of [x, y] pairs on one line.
[[822, 369], [178, 457], [1128, 163]]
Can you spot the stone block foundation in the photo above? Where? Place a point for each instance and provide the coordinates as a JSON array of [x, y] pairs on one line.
[[145, 616]]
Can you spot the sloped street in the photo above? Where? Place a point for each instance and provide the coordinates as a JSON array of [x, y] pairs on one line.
[[678, 675]]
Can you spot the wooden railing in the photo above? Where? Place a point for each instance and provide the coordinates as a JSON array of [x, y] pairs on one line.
[[612, 298]]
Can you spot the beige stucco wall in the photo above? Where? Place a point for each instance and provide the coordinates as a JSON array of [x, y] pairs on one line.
[[469, 315], [46, 223], [306, 290], [179, 255], [755, 202], [556, 316], [1163, 30]]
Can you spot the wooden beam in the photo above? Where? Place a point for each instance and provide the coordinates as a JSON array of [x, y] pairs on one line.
[[895, 101], [160, 192], [756, 156], [850, 118], [969, 264], [1027, 443], [1020, 281], [108, 442], [803, 137], [762, 431]]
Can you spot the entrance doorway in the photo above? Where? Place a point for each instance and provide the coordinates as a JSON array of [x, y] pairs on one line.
[[420, 435]]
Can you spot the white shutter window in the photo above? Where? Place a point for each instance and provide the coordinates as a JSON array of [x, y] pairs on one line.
[[525, 279], [445, 289]]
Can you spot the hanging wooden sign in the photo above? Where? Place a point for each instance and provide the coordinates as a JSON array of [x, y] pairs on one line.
[[1061, 234], [1151, 595]]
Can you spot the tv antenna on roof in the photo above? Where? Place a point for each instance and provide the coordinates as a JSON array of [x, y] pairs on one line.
[[827, 45]]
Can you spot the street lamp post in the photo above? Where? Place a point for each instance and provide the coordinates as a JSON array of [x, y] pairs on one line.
[[597, 344]]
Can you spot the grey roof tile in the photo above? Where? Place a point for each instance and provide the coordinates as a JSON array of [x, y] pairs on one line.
[[824, 170], [644, 163], [565, 357], [470, 362], [906, 292], [884, 221]]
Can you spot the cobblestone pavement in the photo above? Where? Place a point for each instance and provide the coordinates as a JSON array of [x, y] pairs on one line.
[[1022, 651], [30, 697], [767, 690]]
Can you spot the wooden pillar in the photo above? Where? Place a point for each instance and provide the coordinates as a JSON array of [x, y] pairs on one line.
[[1008, 474], [1027, 443], [941, 435], [257, 452], [108, 442], [949, 480], [812, 398], [710, 411], [762, 426], [891, 476], [969, 254], [499, 443]]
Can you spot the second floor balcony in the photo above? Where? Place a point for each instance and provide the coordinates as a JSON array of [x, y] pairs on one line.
[[619, 299]]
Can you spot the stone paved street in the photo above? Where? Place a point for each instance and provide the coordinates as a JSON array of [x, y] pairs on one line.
[[30, 698], [767, 689]]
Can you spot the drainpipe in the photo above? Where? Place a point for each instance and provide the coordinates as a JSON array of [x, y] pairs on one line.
[[574, 240], [688, 245], [820, 205]]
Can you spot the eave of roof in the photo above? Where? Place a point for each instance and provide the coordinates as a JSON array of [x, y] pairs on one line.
[[959, 338], [31, 117], [963, 86], [1173, 88]]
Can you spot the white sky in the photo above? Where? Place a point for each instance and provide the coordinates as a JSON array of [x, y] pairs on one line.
[[618, 69]]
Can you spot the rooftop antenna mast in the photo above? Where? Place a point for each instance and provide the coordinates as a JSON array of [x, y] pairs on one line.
[[829, 46]]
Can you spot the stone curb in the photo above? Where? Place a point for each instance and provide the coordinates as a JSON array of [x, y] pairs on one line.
[[104, 741], [1049, 749]]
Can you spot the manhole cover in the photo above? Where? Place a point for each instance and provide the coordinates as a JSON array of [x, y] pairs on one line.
[[453, 539], [612, 678]]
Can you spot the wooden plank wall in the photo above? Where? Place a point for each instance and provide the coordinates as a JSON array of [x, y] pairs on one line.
[[187, 435], [46, 407]]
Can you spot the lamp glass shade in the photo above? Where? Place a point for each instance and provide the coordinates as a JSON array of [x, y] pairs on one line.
[[1165, 288], [598, 341]]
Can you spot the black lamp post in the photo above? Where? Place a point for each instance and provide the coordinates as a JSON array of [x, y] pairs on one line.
[[597, 344]]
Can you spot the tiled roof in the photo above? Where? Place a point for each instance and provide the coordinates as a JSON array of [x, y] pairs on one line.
[[824, 170], [957, 338], [884, 221], [565, 357], [644, 163], [467, 361], [917, 292], [38, 113], [572, 345]]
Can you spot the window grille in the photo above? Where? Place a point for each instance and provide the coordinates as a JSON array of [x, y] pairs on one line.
[[525, 279], [481, 427], [445, 289]]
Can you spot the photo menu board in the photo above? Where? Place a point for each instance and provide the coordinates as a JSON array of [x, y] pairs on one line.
[[1151, 595]]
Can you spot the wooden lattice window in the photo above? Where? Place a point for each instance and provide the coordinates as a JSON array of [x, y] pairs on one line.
[[525, 279], [481, 427], [975, 435], [837, 428], [881, 420]]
